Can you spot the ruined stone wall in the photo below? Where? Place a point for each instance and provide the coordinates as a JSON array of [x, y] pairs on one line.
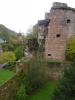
[[56, 40], [70, 16], [60, 28]]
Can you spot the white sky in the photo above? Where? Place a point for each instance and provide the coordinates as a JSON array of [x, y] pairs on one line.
[[20, 15]]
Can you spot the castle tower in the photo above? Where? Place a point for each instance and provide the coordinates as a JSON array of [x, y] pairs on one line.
[[60, 28]]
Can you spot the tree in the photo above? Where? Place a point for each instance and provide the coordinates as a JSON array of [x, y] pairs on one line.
[[7, 57], [66, 88], [8, 47], [19, 52], [32, 45]]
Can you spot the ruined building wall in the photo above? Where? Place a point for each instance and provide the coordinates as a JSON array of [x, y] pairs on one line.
[[60, 26], [56, 40], [70, 16]]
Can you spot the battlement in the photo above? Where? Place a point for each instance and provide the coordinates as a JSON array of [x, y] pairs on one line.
[[64, 6]]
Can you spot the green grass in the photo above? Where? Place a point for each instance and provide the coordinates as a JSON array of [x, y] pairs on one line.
[[44, 93], [5, 75]]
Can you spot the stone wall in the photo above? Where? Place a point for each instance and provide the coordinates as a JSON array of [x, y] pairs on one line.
[[55, 45], [70, 16], [60, 28]]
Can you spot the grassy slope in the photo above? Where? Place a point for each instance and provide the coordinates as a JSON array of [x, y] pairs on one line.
[[5, 75], [45, 93]]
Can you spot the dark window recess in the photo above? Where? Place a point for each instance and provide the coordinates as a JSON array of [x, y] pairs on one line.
[[58, 35], [49, 54], [68, 20], [49, 20]]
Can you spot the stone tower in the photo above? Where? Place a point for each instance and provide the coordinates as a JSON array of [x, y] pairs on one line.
[[56, 29]]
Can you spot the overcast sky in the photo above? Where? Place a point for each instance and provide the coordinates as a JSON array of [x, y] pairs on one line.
[[20, 15]]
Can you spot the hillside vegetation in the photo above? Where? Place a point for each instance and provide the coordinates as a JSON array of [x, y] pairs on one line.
[[13, 46], [6, 33]]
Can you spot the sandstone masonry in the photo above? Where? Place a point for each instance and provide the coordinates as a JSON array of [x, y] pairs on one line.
[[55, 30]]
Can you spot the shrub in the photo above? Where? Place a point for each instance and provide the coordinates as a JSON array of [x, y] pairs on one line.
[[21, 94], [8, 47], [32, 45], [66, 88], [19, 52], [36, 74], [54, 64], [7, 57], [70, 52]]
